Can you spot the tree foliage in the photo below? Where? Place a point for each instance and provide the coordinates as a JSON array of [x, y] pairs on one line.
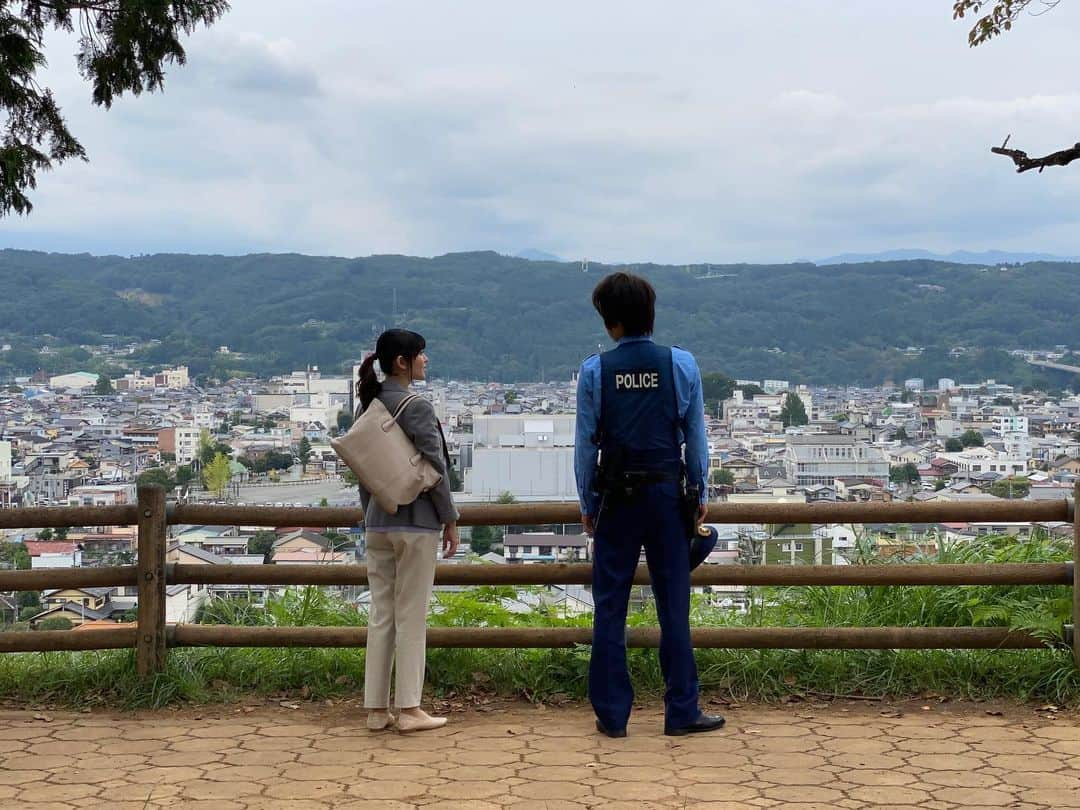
[[972, 438], [722, 477], [156, 476], [124, 47], [457, 301], [304, 452], [953, 445], [793, 412], [217, 475], [999, 17], [103, 386], [907, 473], [1010, 488]]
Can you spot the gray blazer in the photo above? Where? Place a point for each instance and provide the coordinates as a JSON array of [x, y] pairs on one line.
[[432, 509]]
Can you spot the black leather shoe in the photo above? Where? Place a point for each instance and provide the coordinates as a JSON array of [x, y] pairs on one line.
[[615, 732], [704, 722]]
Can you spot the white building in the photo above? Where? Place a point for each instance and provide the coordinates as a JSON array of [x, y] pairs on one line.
[[976, 460], [822, 459], [775, 386], [914, 384], [5, 462], [1011, 423], [172, 378], [945, 384], [78, 379]]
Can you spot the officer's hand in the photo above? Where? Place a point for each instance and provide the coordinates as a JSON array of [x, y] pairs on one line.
[[589, 523], [701, 512]]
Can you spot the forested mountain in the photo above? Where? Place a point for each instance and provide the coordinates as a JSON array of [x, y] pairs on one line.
[[488, 316]]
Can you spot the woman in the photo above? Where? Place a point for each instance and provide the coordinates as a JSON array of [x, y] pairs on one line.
[[402, 548]]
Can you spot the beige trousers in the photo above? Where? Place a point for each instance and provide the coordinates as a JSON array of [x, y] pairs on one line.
[[401, 568]]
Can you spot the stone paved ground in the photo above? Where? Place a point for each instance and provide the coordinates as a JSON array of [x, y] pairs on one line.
[[846, 755]]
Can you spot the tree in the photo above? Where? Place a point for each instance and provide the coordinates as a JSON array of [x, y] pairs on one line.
[[1000, 16], [216, 475], [103, 387], [324, 502], [481, 540], [28, 612], [45, 535], [750, 390], [156, 476], [15, 555], [1010, 488], [716, 387], [904, 474], [722, 478], [940, 484], [304, 452], [184, 474], [793, 412], [124, 47], [344, 421], [348, 477], [510, 397], [262, 542], [999, 19], [60, 534], [953, 446], [456, 484], [206, 447], [972, 438], [901, 434]]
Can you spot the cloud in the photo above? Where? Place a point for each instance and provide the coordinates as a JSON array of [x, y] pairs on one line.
[[620, 132]]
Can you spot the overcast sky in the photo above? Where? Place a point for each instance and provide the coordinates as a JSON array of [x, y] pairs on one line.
[[614, 130]]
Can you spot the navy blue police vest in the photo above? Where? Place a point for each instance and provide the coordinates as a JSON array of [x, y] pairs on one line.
[[638, 406]]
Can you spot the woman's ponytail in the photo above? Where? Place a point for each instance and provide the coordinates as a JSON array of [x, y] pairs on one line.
[[368, 386]]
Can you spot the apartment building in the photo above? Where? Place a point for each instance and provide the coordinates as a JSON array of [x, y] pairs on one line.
[[822, 459]]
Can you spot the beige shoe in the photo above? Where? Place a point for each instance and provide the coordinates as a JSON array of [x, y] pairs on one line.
[[379, 719], [424, 722]]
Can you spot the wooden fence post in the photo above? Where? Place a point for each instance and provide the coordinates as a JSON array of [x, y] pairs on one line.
[[1076, 575], [150, 641]]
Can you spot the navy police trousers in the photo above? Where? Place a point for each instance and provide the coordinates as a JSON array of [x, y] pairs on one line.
[[651, 519]]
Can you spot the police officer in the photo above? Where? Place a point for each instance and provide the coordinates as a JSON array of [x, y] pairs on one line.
[[637, 405]]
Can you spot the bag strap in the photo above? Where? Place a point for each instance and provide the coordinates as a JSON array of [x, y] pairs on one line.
[[402, 405]]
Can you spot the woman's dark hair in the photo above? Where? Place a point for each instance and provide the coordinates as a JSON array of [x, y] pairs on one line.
[[627, 299], [392, 343]]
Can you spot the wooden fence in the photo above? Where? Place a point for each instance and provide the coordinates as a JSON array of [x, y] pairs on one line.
[[152, 638]]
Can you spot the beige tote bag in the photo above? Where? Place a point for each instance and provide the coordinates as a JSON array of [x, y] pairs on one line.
[[384, 459]]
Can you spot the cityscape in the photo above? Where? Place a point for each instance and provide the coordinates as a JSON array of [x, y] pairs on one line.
[[82, 439]]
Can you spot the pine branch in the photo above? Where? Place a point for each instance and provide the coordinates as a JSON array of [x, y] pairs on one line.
[[1025, 163]]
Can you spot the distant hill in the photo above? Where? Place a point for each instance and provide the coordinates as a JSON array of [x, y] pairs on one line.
[[494, 317], [538, 256], [985, 257]]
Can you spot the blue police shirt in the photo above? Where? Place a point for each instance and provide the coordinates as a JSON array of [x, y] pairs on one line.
[[691, 424]]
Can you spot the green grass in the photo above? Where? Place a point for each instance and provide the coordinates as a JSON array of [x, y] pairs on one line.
[[212, 675]]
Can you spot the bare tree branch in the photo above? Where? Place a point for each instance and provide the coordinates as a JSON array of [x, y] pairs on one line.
[[1025, 163]]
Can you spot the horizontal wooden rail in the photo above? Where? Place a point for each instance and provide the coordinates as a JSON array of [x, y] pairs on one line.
[[544, 513], [43, 579], [581, 574], [810, 638], [96, 638], [35, 517]]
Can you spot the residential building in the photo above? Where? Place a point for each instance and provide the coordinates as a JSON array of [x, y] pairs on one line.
[[182, 441], [545, 547], [823, 459]]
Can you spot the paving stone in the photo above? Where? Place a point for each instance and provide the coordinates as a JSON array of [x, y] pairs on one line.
[[771, 757]]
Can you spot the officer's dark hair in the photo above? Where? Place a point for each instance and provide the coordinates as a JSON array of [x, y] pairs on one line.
[[392, 344], [627, 299]]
